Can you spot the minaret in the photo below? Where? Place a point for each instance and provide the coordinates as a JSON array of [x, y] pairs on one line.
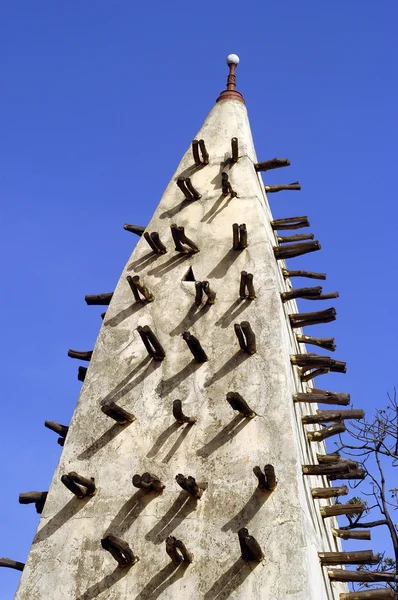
[[194, 465]]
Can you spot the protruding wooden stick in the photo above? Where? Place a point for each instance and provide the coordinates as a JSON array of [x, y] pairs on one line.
[[332, 469], [189, 485], [326, 432], [309, 274], [194, 192], [148, 482], [329, 492], [103, 315], [372, 594], [185, 240], [267, 480], [312, 318], [120, 550], [336, 510], [205, 154], [179, 415], [361, 576], [352, 474], [211, 294], [325, 416], [117, 413], [246, 281], [313, 361], [249, 547], [360, 557], [182, 185], [177, 551], [226, 185], [235, 149], [327, 343], [154, 242], [180, 238], [273, 163], [98, 299], [312, 374], [246, 337], [306, 293], [137, 229], [36, 498], [61, 430], [198, 293], [328, 459], [151, 243], [323, 397], [12, 564], [346, 534], [81, 373], [237, 402], [80, 355], [299, 237], [195, 347], [78, 485], [151, 343], [290, 223], [195, 152], [135, 284], [279, 188], [293, 250], [239, 238]]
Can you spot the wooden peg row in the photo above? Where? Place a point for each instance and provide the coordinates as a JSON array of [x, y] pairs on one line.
[[78, 485], [312, 318], [309, 274], [246, 337], [238, 403], [239, 236], [120, 551], [235, 149], [293, 250], [177, 551], [137, 287], [36, 498], [98, 299], [196, 146], [226, 186], [179, 415], [249, 547], [148, 482], [290, 223], [154, 242], [327, 343], [117, 413], [270, 189], [180, 239], [273, 163], [137, 229], [12, 564], [151, 343], [267, 479], [189, 485], [80, 355], [246, 287], [195, 347]]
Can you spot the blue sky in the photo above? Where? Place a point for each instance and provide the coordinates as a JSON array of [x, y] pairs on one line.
[[99, 101]]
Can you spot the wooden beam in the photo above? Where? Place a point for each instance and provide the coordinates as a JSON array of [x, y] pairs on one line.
[[282, 186], [336, 510], [137, 229], [329, 492], [312, 318], [360, 557], [349, 534], [309, 274], [290, 223], [98, 299], [273, 163], [361, 576], [326, 432], [298, 237], [11, 564], [325, 416], [371, 594], [293, 250]]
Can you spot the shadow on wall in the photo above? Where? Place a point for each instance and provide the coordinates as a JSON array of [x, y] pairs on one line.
[[224, 436], [231, 364], [233, 311], [245, 515], [164, 436], [230, 580], [105, 438], [174, 261], [143, 262], [129, 512], [124, 314], [128, 383], [166, 386], [162, 580], [179, 510], [70, 509], [193, 315], [103, 585], [221, 269]]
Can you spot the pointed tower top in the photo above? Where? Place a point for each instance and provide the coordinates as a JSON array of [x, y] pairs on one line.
[[231, 93]]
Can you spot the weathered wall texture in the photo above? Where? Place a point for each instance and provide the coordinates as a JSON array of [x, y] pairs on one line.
[[221, 448]]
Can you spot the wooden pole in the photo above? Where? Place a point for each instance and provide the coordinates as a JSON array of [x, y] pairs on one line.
[[309, 274], [361, 557]]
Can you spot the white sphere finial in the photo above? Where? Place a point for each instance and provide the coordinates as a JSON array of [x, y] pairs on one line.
[[232, 59]]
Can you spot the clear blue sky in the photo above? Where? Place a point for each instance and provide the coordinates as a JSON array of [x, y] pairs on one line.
[[99, 101]]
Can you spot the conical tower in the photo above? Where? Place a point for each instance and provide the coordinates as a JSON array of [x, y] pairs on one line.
[[194, 465]]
